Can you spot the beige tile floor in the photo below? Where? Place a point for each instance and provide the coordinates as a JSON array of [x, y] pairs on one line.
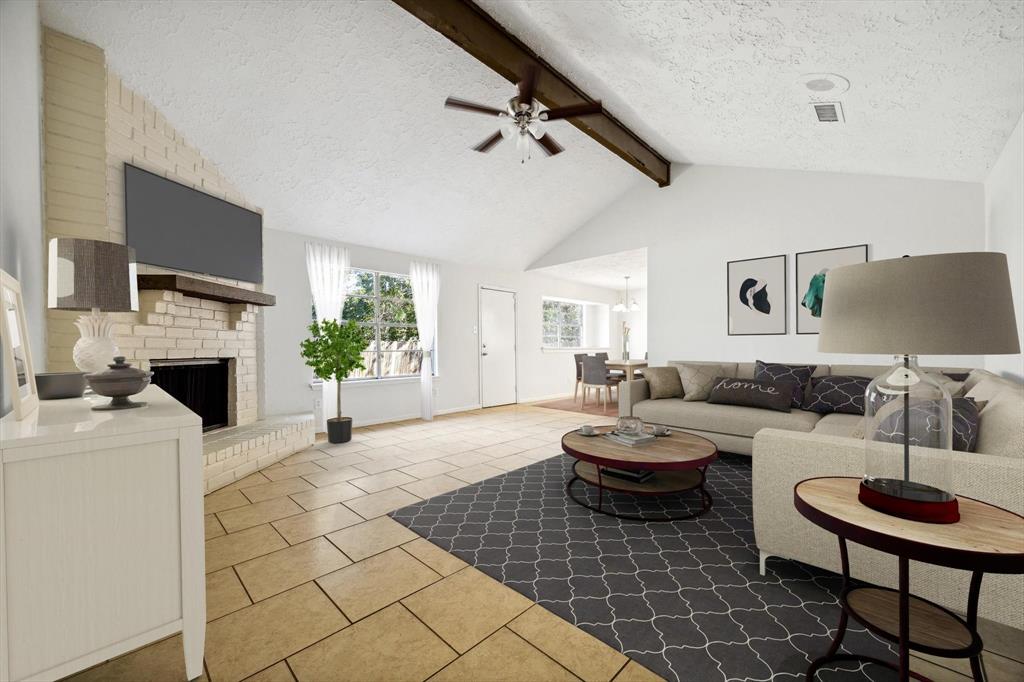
[[308, 580]]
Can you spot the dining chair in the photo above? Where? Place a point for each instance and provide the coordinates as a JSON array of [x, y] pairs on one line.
[[595, 375], [612, 374], [578, 361]]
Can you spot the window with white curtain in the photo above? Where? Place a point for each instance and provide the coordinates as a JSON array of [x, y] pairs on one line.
[[381, 304]]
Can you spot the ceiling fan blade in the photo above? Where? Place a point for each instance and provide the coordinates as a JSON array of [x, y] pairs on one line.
[[571, 111], [466, 105], [489, 144], [528, 85], [548, 144]]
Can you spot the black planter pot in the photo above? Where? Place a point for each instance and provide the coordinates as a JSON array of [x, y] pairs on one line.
[[339, 429]]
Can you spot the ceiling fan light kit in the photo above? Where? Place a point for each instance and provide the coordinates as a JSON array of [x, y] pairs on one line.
[[523, 119]]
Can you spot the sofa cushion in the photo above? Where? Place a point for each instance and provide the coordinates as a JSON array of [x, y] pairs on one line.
[[954, 387], [838, 424], [663, 382], [796, 375], [730, 419], [765, 394], [989, 387], [974, 377], [924, 417], [698, 378], [1002, 425], [843, 394]]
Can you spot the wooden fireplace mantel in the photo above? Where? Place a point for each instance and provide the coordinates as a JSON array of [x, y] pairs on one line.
[[202, 288]]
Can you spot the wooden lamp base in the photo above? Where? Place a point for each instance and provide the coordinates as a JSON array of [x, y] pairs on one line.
[[882, 495]]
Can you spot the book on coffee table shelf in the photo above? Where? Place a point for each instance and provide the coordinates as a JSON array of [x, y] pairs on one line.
[[630, 439], [628, 475]]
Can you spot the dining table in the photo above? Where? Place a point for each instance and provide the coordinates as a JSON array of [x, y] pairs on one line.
[[628, 367]]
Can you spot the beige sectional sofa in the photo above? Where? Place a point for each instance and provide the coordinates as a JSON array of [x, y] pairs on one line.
[[732, 428], [787, 448]]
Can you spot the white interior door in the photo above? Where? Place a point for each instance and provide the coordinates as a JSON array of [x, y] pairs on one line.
[[497, 347]]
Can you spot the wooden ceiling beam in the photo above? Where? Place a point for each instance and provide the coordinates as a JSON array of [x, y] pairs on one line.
[[477, 33]]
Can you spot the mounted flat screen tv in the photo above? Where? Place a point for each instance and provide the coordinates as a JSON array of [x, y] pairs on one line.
[[174, 226]]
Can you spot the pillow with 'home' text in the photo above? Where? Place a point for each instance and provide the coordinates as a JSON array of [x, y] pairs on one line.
[[762, 393]]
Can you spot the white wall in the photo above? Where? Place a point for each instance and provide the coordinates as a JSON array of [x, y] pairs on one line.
[[541, 374], [1004, 218], [21, 231], [713, 214]]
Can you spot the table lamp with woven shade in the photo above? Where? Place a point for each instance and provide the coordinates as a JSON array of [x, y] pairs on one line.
[[85, 274], [943, 304]]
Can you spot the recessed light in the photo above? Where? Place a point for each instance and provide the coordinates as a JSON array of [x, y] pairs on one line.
[[830, 84]]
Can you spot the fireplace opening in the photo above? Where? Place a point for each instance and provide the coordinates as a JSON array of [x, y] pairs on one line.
[[201, 385]]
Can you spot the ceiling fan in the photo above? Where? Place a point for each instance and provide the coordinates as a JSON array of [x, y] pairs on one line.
[[523, 118]]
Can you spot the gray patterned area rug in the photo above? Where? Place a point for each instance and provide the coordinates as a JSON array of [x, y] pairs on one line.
[[683, 598]]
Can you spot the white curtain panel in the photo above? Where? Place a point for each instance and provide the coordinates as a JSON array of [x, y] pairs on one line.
[[327, 267], [426, 283]]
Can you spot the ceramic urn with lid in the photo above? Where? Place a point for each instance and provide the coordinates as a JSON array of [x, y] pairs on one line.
[[117, 382]]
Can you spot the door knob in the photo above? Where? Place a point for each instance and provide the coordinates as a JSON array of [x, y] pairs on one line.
[[483, 353]]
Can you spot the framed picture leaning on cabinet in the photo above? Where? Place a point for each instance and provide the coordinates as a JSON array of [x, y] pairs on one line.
[[19, 378]]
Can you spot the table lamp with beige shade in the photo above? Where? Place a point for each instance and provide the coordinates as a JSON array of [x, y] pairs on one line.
[[942, 304], [97, 276]]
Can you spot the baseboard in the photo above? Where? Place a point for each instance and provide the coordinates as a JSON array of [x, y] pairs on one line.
[[538, 399], [402, 418], [464, 408]]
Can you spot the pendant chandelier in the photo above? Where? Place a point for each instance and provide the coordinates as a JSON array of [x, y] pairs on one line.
[[626, 305]]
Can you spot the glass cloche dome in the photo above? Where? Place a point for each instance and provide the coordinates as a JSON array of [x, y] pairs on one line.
[[908, 437]]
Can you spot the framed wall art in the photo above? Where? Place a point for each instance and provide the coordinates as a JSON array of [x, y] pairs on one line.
[[757, 296], [19, 378], [811, 273]]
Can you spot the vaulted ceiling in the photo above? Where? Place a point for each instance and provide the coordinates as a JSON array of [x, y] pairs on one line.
[[936, 87], [329, 114], [330, 117]]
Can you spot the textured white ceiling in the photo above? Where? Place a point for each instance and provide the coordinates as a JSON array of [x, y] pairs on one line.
[[605, 271], [936, 87], [330, 117]]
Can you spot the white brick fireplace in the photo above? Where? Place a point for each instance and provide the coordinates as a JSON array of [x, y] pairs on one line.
[[171, 325]]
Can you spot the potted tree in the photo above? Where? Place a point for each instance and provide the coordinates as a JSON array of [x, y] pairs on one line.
[[334, 350]]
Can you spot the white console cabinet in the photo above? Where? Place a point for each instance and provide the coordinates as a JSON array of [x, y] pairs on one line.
[[101, 535]]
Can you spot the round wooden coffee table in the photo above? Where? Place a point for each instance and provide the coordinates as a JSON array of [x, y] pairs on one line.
[[679, 462], [986, 539]]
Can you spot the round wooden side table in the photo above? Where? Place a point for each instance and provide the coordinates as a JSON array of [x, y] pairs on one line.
[[987, 539]]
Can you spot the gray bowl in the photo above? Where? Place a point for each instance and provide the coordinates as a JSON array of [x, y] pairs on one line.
[[60, 385]]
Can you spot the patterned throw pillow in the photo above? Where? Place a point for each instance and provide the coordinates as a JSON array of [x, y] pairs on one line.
[[796, 375], [663, 382], [923, 419], [697, 380], [763, 393], [843, 394]]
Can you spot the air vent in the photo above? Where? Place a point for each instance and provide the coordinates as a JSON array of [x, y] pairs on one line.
[[828, 112]]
